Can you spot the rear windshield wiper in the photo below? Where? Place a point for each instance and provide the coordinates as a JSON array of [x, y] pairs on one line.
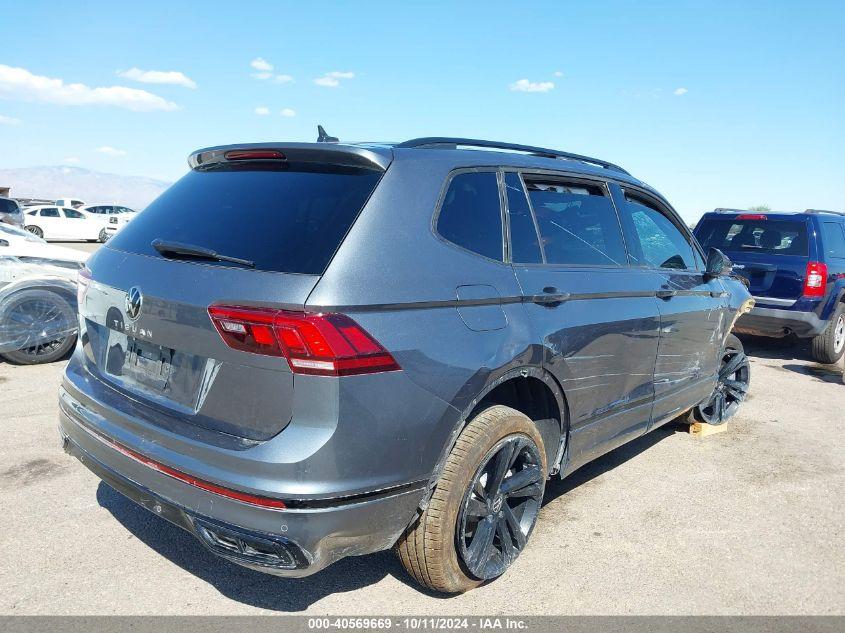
[[188, 250]]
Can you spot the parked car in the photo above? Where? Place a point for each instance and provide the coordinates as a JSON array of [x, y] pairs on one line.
[[10, 212], [795, 267], [399, 350], [73, 203], [37, 297], [117, 216], [64, 223]]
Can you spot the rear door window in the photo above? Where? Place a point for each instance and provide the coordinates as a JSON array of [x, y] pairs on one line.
[[289, 219], [754, 235], [525, 241], [833, 236], [49, 212], [471, 214], [577, 222]]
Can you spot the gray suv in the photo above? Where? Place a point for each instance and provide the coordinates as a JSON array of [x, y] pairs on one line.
[[306, 351]]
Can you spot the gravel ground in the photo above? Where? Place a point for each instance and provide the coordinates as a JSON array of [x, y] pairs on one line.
[[745, 522]]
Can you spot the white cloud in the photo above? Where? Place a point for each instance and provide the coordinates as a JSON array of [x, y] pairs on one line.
[[171, 77], [71, 160], [262, 111], [288, 112], [523, 85], [680, 91], [283, 79], [9, 120], [111, 151], [21, 85], [259, 63], [332, 79], [558, 73]]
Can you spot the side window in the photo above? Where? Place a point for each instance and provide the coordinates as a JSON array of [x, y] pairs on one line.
[[577, 222], [74, 215], [833, 235], [525, 243], [662, 244], [49, 212], [471, 214]]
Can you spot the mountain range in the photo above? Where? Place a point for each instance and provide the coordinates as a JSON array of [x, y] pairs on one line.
[[53, 182]]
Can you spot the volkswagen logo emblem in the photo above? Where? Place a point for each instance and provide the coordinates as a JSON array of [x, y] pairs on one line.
[[134, 301]]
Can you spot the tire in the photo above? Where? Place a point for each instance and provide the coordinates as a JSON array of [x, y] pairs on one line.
[[45, 351], [103, 237], [433, 550], [37, 232], [829, 346], [731, 387]]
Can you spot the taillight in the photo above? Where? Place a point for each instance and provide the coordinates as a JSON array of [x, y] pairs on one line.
[[815, 279], [83, 280], [325, 344], [752, 216]]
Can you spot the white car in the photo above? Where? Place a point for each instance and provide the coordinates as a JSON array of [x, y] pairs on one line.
[[63, 223], [30, 249], [118, 215]]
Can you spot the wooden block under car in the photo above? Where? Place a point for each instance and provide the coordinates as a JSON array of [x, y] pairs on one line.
[[700, 430]]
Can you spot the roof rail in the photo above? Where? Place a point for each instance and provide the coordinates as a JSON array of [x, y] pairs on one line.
[[817, 211], [448, 142]]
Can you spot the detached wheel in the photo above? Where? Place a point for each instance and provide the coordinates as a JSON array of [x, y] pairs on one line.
[[829, 346], [25, 317], [484, 505], [731, 386], [36, 231]]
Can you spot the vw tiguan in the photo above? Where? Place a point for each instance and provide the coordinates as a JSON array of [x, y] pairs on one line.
[[306, 351]]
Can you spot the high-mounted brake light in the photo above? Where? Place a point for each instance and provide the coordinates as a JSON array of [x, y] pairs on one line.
[[326, 344], [752, 216], [815, 279], [253, 154]]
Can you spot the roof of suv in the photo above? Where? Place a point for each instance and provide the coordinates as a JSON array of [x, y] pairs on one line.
[[460, 151], [778, 214]]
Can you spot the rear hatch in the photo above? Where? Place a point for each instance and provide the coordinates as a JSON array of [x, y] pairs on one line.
[[261, 233], [771, 252]]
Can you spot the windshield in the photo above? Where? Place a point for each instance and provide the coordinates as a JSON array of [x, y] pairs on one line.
[[289, 219], [769, 236]]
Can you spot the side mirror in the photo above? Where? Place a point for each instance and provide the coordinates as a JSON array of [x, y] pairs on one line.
[[4, 242], [718, 264]]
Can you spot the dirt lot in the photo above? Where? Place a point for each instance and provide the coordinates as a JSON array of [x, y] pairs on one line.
[[745, 522]]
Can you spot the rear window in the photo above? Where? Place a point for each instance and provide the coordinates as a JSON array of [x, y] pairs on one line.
[[8, 206], [290, 220], [772, 237]]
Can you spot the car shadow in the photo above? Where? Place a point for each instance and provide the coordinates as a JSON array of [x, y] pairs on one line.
[[824, 373], [786, 348], [238, 583]]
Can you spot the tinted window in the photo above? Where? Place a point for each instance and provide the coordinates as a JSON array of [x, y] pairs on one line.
[[75, 215], [525, 244], [51, 212], [661, 242], [471, 215], [833, 235], [578, 224], [769, 236], [288, 220], [8, 206]]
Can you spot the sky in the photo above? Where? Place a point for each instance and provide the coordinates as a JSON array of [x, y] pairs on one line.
[[716, 104]]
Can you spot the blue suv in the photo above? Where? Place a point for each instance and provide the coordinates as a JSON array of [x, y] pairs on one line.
[[794, 264]]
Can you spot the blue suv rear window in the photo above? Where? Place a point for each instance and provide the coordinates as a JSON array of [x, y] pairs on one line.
[[285, 220], [769, 236]]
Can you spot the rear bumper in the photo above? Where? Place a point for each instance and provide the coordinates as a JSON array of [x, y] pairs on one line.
[[775, 322], [291, 542]]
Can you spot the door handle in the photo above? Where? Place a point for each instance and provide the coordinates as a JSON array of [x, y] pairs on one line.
[[550, 298], [666, 294]]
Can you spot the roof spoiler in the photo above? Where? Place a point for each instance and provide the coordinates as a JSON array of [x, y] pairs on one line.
[[817, 211], [325, 153]]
